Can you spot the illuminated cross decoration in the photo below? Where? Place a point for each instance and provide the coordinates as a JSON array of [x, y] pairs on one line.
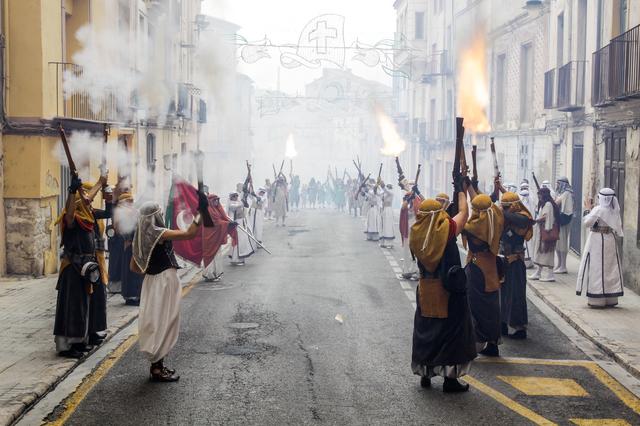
[[321, 34]]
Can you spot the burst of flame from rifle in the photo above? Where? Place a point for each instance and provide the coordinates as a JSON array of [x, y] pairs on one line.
[[394, 145], [290, 152], [473, 86]]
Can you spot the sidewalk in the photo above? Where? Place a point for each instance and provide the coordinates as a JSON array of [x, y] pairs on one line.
[[615, 330], [29, 365]]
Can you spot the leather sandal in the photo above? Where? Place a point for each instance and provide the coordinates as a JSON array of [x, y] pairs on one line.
[[161, 374]]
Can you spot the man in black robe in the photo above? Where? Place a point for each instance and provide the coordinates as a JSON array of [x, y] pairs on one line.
[[80, 270], [513, 295], [443, 335]]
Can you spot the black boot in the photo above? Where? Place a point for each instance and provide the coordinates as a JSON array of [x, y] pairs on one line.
[[425, 382], [504, 329], [71, 353], [490, 350], [81, 347], [519, 335], [454, 386]]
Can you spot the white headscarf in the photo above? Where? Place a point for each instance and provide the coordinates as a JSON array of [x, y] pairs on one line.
[[150, 229], [608, 210]]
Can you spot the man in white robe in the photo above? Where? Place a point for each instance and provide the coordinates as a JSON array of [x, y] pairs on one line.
[[564, 201], [600, 272], [525, 199], [374, 217], [280, 194], [388, 234], [245, 247], [256, 214], [544, 250]]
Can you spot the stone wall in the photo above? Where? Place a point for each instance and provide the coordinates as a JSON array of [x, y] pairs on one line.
[[28, 235]]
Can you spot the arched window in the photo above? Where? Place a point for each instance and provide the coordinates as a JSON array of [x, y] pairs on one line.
[[151, 151]]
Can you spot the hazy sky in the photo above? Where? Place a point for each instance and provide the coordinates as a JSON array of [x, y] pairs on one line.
[[282, 21]]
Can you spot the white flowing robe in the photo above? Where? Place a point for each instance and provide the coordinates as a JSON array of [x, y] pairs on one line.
[[409, 266], [159, 318], [256, 217], [245, 246], [543, 259], [528, 245], [600, 272], [374, 218], [280, 202], [565, 204], [388, 230]]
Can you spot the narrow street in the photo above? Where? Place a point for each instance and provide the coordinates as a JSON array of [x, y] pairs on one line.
[[265, 347]]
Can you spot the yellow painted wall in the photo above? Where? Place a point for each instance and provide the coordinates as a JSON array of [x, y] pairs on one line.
[[22, 166], [51, 36], [24, 52]]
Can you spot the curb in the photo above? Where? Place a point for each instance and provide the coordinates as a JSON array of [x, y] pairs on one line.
[[13, 411], [573, 320]]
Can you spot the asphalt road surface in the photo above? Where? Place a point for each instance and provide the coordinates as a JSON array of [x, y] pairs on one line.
[[265, 347]]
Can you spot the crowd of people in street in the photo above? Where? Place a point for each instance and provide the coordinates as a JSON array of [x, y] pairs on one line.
[[464, 307]]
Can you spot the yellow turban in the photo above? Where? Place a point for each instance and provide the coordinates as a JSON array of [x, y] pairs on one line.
[[512, 200], [430, 234], [486, 222]]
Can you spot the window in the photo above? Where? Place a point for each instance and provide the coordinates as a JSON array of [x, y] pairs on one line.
[[600, 23], [526, 83], [419, 26], [500, 73], [560, 41], [151, 151], [622, 17], [582, 30]]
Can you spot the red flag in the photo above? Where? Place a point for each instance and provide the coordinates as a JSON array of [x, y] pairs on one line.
[[183, 206]]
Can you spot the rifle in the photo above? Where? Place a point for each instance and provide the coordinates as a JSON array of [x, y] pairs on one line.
[[418, 174], [103, 160], [535, 180], [246, 187], [281, 167], [206, 217], [360, 175], [275, 175], [364, 182], [375, 188], [474, 160], [67, 151], [495, 159], [401, 177], [464, 167], [453, 208]]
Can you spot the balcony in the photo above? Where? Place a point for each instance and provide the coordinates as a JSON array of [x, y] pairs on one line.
[[79, 103], [571, 86], [616, 69], [437, 64], [550, 89]]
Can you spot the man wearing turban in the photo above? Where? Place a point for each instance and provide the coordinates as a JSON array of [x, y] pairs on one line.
[[518, 229], [443, 335]]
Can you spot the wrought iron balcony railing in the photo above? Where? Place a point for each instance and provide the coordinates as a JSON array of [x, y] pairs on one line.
[[571, 86], [616, 69], [74, 101]]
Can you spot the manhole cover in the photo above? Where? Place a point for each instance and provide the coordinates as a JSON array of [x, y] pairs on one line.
[[244, 325], [241, 350]]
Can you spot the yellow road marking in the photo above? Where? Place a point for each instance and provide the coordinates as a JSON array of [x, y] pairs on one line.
[[74, 400], [536, 361], [600, 422], [508, 402], [629, 399], [545, 386]]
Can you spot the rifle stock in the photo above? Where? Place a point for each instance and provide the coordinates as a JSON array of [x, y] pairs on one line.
[[474, 160], [401, 176], [67, 151], [453, 208], [535, 180]]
